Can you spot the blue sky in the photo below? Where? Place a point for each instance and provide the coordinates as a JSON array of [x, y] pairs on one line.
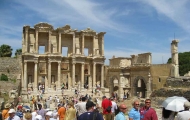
[[131, 26]]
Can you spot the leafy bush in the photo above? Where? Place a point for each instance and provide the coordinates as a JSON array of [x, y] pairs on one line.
[[3, 77]]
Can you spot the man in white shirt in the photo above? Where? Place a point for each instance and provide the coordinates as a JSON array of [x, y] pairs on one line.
[[113, 108], [185, 114], [81, 107], [12, 115]]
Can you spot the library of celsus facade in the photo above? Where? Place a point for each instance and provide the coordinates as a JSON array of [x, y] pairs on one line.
[[52, 57]]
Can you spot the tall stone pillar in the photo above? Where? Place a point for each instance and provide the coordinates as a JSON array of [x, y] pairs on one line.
[[59, 48], [26, 33], [94, 75], [102, 76], [35, 75], [102, 51], [74, 44], [93, 46], [82, 75], [49, 42], [175, 62], [90, 77], [149, 87], [82, 49], [49, 74], [25, 75], [36, 41], [73, 75], [58, 75]]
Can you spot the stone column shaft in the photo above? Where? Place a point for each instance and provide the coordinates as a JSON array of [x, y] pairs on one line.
[[94, 75], [73, 75], [25, 75], [102, 46], [102, 76], [49, 45], [90, 77], [36, 41], [82, 75], [82, 44], [59, 48], [26, 33], [49, 74], [59, 74], [35, 74], [93, 46], [73, 43]]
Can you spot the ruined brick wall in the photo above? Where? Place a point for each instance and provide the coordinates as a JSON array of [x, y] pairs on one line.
[[11, 67]]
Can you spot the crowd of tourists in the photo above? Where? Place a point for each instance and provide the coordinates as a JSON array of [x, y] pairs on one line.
[[84, 107]]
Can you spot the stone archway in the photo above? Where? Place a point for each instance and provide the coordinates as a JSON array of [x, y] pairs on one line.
[[139, 87], [114, 84]]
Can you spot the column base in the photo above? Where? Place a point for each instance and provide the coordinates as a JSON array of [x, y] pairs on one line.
[[148, 93]]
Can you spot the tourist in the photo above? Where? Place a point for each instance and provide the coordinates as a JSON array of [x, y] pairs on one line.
[[113, 108], [148, 113], [34, 114], [134, 113], [81, 106], [90, 114], [5, 111], [185, 114], [168, 114], [41, 111], [38, 117], [19, 112], [28, 116], [12, 115], [49, 115], [61, 112], [121, 114], [106, 107], [71, 112]]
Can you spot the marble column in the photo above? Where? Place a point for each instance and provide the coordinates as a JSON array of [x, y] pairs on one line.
[[94, 75], [59, 48], [49, 74], [90, 78], [74, 44], [36, 41], [93, 46], [49, 42], [82, 49], [73, 75], [82, 75], [58, 75], [102, 51], [26, 45], [102, 76], [35, 75], [25, 75]]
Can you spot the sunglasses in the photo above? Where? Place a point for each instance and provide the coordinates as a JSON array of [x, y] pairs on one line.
[[148, 102], [136, 104], [123, 108]]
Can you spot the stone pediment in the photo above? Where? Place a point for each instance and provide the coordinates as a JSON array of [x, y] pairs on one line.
[[88, 30], [42, 26], [66, 29]]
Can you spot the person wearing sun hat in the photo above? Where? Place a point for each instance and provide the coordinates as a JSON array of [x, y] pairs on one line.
[[5, 113], [12, 115], [185, 114]]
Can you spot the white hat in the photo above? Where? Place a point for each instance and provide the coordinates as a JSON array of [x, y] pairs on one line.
[[187, 104], [49, 113], [38, 117], [12, 111]]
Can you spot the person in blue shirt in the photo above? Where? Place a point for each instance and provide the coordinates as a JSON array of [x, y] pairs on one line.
[[134, 113], [121, 114]]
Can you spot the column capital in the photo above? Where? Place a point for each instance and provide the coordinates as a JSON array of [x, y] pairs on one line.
[[36, 62], [59, 62], [25, 61]]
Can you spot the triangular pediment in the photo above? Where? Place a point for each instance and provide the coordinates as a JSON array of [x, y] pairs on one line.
[[43, 25]]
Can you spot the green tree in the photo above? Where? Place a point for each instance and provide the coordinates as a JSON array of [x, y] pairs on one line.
[[184, 62], [18, 52], [5, 50]]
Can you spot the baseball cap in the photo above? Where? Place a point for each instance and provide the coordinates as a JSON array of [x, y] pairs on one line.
[[12, 111]]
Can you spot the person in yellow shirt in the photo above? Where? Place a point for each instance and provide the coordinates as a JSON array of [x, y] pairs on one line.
[[5, 111], [71, 112]]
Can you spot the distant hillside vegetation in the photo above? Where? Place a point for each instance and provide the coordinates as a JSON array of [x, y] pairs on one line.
[[184, 63]]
